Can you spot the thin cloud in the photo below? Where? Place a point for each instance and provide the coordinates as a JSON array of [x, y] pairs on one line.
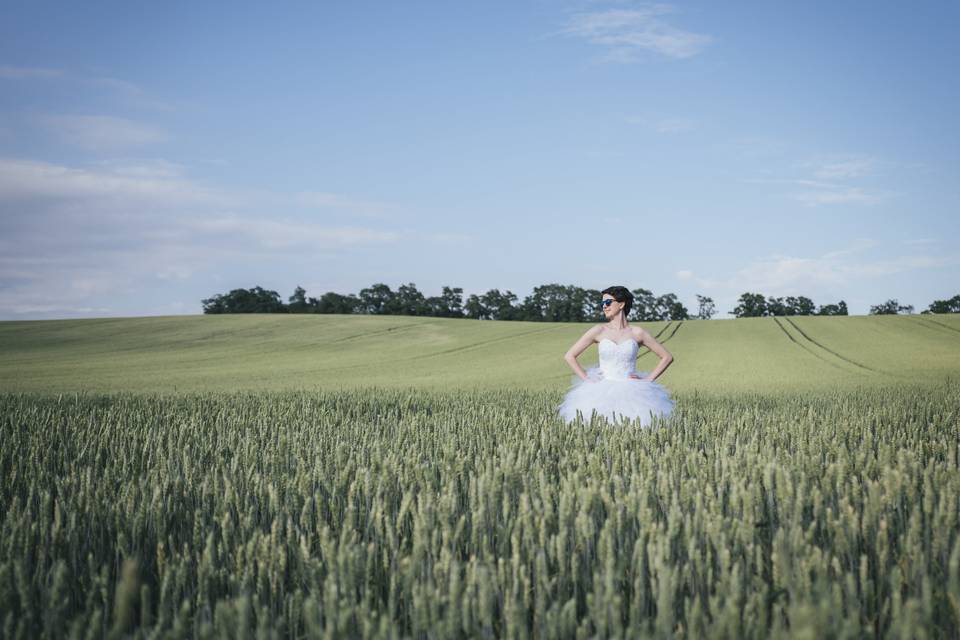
[[830, 182], [340, 202], [859, 245], [8, 72], [818, 275], [35, 185], [855, 167], [626, 34], [130, 93], [846, 195], [101, 133]]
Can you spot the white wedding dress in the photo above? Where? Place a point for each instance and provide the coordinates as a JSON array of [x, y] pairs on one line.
[[614, 394]]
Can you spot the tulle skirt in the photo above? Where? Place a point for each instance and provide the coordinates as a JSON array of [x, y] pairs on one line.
[[615, 399]]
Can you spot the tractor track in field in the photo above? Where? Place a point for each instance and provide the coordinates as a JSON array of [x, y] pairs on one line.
[[435, 354], [657, 337], [829, 350], [806, 348], [939, 324], [398, 328], [484, 343]]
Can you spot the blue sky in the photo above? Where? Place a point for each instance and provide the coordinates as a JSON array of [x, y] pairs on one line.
[[153, 155]]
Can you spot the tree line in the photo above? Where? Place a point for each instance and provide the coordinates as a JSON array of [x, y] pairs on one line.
[[547, 303], [752, 305]]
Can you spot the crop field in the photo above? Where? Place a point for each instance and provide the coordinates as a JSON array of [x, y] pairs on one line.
[[312, 352], [330, 477]]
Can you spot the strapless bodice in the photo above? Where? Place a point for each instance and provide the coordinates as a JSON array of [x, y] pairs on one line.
[[608, 390], [618, 359]]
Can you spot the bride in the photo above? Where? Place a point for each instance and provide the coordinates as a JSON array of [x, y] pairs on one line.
[[615, 389]]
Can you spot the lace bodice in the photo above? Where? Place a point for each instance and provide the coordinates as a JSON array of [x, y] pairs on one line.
[[617, 359]]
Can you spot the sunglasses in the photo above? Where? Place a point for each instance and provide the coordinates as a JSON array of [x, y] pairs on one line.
[[608, 302]]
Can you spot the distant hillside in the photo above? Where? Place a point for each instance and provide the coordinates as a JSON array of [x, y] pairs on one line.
[[237, 352]]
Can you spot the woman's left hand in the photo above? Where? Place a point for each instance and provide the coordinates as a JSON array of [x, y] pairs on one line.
[[635, 376]]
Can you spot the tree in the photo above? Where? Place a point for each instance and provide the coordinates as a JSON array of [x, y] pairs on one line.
[[591, 309], [561, 303], [297, 303], [449, 304], [751, 305], [548, 302], [378, 299], [453, 300], [331, 302], [409, 301], [944, 306], [255, 300], [644, 305], [582, 305], [475, 309], [215, 304], [667, 307], [839, 309], [775, 307], [799, 306], [890, 307], [706, 308], [501, 305]]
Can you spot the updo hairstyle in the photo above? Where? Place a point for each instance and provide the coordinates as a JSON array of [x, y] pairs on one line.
[[621, 294]]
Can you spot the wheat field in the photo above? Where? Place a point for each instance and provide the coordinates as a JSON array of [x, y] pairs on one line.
[[800, 509]]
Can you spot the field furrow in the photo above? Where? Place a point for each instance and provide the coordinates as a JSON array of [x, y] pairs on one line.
[[829, 350]]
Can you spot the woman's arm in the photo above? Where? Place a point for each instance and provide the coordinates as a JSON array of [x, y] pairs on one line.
[[666, 358], [579, 347]]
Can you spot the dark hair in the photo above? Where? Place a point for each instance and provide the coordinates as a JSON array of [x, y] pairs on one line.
[[621, 294]]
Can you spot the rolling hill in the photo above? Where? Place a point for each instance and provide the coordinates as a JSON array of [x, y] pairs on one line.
[[281, 352]]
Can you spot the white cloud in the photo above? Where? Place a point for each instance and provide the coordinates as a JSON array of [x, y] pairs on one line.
[[857, 246], [830, 182], [128, 92], [831, 272], [627, 33], [340, 202], [843, 195], [74, 238], [853, 167], [101, 133], [129, 189]]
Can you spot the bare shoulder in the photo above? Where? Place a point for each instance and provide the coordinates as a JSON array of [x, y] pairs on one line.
[[639, 333], [592, 333]]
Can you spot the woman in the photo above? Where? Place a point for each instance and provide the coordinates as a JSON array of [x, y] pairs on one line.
[[615, 389]]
